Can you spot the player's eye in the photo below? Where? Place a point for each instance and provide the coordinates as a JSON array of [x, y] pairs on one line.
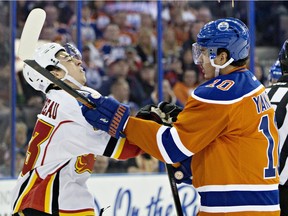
[[65, 58], [203, 50], [68, 58]]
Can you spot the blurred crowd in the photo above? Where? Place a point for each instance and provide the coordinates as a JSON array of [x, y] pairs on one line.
[[119, 55]]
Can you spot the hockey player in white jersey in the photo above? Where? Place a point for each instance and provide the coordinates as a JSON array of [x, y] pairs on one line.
[[278, 94], [63, 147]]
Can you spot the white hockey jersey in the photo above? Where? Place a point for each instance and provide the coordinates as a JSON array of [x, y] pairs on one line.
[[60, 159]]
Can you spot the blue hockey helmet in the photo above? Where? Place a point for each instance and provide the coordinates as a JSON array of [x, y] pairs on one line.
[[283, 57], [229, 33], [275, 71]]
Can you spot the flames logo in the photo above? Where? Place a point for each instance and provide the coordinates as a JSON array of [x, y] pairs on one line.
[[84, 163]]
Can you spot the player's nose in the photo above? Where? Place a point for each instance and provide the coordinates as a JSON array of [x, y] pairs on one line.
[[77, 61]]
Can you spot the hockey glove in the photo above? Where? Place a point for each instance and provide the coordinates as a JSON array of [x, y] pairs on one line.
[[183, 173], [170, 111], [109, 115], [150, 112]]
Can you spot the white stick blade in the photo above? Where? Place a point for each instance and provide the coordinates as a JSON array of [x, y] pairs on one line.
[[31, 32]]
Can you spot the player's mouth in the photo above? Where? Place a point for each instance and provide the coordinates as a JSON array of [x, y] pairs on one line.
[[82, 70]]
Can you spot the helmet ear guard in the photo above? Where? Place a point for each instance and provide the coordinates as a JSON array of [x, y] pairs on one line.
[[35, 79]]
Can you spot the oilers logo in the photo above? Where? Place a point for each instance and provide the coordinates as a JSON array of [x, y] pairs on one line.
[[223, 26]]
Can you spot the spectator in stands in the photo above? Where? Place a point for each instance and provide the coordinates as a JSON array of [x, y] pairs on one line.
[[51, 24], [192, 34], [147, 79], [110, 46], [168, 95], [21, 145], [260, 73], [117, 166], [88, 26], [4, 99], [147, 22], [99, 16], [275, 72], [133, 60], [144, 46], [179, 22], [120, 90], [188, 64], [101, 164], [118, 68], [143, 163], [183, 88], [170, 44], [94, 72], [173, 69], [127, 34], [204, 14]]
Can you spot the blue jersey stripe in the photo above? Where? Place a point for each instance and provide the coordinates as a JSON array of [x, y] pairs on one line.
[[239, 198], [171, 148]]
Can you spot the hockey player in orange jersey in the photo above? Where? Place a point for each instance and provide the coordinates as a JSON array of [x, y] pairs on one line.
[[227, 126]]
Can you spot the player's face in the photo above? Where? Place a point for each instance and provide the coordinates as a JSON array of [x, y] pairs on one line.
[[73, 66], [204, 60]]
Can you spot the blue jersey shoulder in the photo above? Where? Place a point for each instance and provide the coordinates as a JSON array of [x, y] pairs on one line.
[[227, 88]]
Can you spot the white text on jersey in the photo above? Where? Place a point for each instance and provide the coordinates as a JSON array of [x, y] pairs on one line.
[[262, 102], [50, 109]]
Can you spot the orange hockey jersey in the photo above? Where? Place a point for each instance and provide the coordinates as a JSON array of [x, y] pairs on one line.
[[228, 126]]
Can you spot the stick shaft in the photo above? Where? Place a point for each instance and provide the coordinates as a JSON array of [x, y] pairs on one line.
[[174, 190]]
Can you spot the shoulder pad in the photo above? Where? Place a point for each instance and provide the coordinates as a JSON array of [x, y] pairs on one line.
[[227, 89]]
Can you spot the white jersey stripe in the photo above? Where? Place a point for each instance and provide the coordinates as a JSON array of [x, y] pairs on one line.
[[280, 94], [179, 144], [227, 101], [238, 187], [160, 145]]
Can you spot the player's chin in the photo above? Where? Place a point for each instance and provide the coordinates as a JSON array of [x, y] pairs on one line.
[[208, 76], [83, 81]]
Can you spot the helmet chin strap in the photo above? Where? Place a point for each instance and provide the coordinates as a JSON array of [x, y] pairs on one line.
[[218, 67], [70, 78], [74, 81]]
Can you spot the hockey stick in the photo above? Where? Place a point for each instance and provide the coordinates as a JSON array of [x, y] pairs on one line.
[[28, 42], [174, 190], [30, 33]]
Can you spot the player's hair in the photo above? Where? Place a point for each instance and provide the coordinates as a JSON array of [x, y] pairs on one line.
[[239, 63]]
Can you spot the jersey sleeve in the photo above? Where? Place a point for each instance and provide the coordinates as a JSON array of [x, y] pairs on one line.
[[195, 128], [121, 149]]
